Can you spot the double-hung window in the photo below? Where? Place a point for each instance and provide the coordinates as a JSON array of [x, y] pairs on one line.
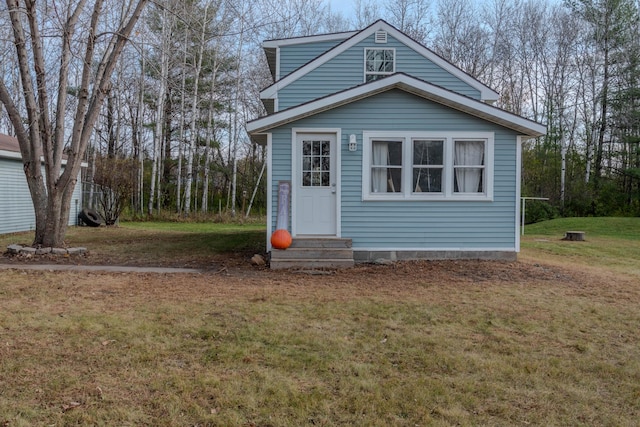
[[386, 165], [468, 166], [378, 63], [427, 166]]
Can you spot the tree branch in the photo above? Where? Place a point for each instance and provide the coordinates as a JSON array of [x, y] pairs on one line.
[[43, 97], [63, 80], [32, 144]]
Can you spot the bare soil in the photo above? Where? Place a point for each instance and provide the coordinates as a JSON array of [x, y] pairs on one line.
[[210, 262], [540, 341], [523, 272]]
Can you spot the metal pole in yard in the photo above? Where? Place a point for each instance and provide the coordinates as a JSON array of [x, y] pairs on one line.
[[524, 203]]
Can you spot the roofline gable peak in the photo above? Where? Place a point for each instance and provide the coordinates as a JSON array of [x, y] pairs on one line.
[[486, 93]]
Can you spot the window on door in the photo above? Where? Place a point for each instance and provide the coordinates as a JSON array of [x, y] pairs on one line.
[[316, 163]]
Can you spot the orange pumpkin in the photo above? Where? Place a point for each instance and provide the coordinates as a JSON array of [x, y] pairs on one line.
[[281, 239]]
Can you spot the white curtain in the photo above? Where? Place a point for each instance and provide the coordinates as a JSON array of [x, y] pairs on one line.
[[379, 174], [469, 153]]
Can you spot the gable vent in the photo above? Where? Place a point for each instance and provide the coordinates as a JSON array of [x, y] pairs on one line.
[[381, 36]]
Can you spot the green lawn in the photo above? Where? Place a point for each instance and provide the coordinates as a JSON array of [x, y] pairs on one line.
[[610, 242], [549, 340], [621, 228], [194, 227], [175, 244]]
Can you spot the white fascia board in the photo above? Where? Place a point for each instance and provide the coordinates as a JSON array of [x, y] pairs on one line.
[[307, 39], [471, 106], [518, 201], [269, 190], [486, 93], [408, 84], [10, 155], [314, 107], [272, 90], [14, 155], [272, 48]]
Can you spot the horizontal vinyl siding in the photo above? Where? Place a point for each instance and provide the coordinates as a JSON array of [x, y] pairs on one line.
[[16, 207], [280, 167], [295, 56], [347, 70], [430, 225]]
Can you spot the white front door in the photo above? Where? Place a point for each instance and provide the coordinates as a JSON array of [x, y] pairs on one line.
[[315, 184]]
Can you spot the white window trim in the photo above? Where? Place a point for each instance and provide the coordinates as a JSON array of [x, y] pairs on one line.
[[364, 63], [295, 170], [407, 161]]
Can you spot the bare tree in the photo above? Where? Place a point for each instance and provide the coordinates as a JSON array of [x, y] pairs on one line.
[[166, 22], [412, 17], [612, 23], [461, 37], [366, 12], [43, 132], [203, 37]]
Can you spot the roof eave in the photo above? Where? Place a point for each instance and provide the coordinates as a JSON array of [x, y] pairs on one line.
[[270, 53], [408, 84], [5, 154]]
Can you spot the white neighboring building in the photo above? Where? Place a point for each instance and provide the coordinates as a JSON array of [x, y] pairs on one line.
[[16, 207]]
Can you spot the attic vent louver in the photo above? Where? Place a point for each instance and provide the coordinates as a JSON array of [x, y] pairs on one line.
[[381, 36]]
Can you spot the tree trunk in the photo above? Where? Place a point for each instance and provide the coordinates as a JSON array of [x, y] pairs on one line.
[[157, 134], [194, 114], [38, 136], [603, 120], [181, 130], [234, 179]]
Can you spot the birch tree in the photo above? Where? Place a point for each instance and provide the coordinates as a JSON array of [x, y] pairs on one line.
[[365, 12], [612, 23], [166, 21], [203, 35], [38, 117], [412, 17]]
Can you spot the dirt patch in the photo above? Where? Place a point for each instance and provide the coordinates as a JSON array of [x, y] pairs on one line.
[[209, 262], [506, 339], [524, 272]]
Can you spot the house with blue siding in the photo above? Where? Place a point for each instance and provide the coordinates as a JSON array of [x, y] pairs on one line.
[[387, 151], [16, 206]]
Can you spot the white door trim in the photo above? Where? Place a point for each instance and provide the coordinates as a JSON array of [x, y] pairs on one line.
[[295, 173], [269, 161]]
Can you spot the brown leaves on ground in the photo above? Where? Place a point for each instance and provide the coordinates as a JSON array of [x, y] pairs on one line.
[[174, 343]]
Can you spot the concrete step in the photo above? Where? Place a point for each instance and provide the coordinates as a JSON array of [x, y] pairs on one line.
[[313, 253], [319, 242], [277, 264]]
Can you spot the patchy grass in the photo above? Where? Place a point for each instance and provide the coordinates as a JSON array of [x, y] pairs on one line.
[[549, 340], [169, 244], [420, 343], [610, 243]]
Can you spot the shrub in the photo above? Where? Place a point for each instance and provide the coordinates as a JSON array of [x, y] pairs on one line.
[[539, 210]]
